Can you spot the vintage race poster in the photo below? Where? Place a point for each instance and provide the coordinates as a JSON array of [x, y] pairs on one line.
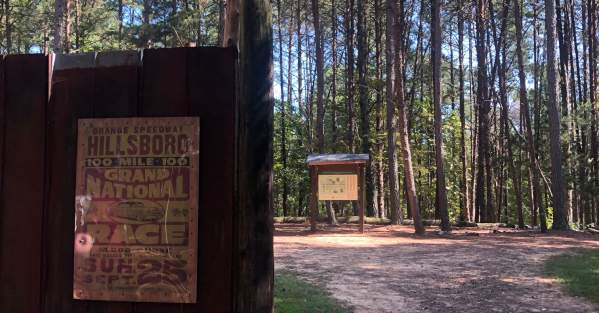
[[338, 187], [136, 209]]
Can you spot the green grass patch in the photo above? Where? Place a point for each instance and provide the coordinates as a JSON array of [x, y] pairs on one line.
[[579, 272], [293, 295]]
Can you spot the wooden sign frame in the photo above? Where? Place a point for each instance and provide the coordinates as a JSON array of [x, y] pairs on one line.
[[327, 167], [136, 210]]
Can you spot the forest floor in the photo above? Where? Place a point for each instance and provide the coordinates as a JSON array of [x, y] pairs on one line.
[[388, 269]]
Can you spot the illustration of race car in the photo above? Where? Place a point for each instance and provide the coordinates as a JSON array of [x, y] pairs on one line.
[[140, 211]]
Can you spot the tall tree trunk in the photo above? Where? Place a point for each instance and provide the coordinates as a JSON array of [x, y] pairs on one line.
[[393, 180], [289, 105], [436, 52], [320, 93], [310, 96], [465, 210], [121, 16], [253, 257], [349, 76], [440, 168], [537, 203], [221, 19], [282, 109], [59, 26], [504, 140], [475, 216], [231, 36], [379, 141], [146, 31], [483, 108], [7, 26], [371, 192], [300, 99], [319, 77], [525, 110], [564, 86], [593, 46], [333, 145], [403, 125], [573, 121], [66, 44], [560, 217]]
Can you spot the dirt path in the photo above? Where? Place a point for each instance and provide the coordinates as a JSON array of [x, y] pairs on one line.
[[390, 270]]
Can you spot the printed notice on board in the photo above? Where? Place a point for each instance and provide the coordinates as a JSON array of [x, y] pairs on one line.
[[338, 187], [136, 209]]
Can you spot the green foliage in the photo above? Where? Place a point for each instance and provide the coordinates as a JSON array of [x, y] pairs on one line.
[[579, 272], [98, 26], [293, 295], [295, 175]]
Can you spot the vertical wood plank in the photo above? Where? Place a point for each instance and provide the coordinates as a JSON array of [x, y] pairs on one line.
[[164, 82], [313, 197], [116, 89], [116, 94], [362, 194], [211, 85], [23, 198], [164, 93], [2, 134], [71, 97]]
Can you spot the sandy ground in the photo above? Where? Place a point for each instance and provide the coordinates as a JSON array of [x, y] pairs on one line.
[[390, 270]]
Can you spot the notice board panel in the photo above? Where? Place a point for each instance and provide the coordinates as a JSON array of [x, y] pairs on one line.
[[337, 187], [136, 209]]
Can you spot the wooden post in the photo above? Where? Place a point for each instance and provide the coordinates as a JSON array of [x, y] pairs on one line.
[[313, 197], [253, 274], [361, 194]]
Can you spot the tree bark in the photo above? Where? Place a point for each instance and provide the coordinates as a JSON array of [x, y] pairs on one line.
[[440, 168], [7, 26], [300, 99], [483, 110], [403, 126], [333, 145], [253, 259], [393, 180], [560, 218], [232, 12], [525, 112], [282, 109], [289, 105], [465, 210], [319, 76], [564, 43], [537, 205], [320, 93], [221, 20], [593, 47], [349, 83], [379, 141], [371, 192], [59, 26], [146, 29]]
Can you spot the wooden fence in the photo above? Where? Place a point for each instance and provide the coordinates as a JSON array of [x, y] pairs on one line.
[[41, 98]]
